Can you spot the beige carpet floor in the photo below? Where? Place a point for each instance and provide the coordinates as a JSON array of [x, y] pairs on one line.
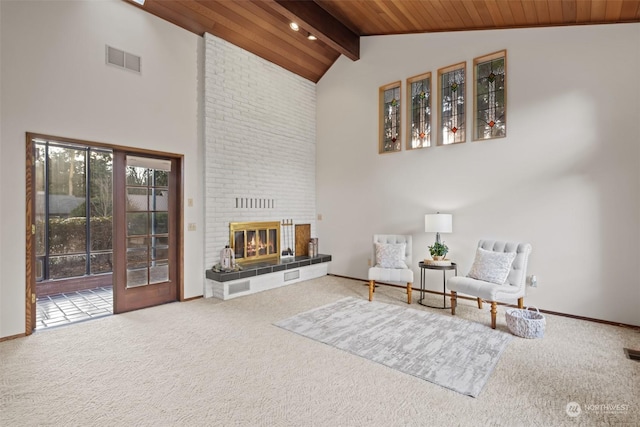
[[213, 363]]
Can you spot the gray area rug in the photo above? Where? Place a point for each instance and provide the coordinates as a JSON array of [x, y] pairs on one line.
[[442, 349]]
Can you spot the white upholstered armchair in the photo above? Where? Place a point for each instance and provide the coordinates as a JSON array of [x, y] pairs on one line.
[[498, 273], [392, 262]]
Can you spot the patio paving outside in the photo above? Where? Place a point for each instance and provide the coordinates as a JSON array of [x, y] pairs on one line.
[[62, 309]]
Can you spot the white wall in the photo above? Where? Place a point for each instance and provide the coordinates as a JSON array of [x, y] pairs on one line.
[[55, 81], [0, 161], [260, 130], [566, 178]]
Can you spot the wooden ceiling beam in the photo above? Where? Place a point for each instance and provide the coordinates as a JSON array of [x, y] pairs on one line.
[[317, 21]]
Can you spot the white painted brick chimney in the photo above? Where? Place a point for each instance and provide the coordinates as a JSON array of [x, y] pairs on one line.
[[260, 143]]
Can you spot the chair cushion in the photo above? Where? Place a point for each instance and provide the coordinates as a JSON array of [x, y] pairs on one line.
[[399, 275], [485, 290], [390, 255], [492, 266]]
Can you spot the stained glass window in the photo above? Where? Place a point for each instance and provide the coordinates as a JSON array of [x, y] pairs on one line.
[[490, 90], [419, 108], [452, 87], [390, 118]]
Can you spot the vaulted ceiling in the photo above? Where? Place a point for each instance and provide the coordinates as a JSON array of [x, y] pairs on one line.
[[262, 26]]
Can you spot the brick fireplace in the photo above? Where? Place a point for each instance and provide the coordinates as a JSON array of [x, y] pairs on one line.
[[260, 162]]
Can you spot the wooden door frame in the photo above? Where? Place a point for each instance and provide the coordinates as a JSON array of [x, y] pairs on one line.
[[30, 281], [30, 273]]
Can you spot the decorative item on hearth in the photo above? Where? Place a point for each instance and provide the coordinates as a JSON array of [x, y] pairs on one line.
[[438, 223], [227, 258], [313, 247], [217, 268]]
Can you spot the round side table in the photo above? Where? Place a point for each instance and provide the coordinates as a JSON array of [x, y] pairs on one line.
[[444, 269]]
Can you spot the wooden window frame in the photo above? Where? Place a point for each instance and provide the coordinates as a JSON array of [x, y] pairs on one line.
[[441, 71], [409, 110], [476, 61], [381, 92]]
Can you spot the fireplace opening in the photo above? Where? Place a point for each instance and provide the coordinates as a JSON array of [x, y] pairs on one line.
[[255, 241]]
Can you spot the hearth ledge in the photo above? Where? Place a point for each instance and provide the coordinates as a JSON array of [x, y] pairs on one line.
[[260, 278]]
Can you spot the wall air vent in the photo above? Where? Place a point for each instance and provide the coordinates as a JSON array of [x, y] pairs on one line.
[[235, 288], [291, 275], [123, 59]]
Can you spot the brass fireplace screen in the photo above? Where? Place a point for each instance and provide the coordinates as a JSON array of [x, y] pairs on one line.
[[255, 241]]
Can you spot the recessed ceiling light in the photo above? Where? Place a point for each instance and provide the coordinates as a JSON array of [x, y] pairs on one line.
[[294, 26], [312, 37]]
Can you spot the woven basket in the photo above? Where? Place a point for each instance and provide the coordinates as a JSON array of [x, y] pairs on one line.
[[525, 323]]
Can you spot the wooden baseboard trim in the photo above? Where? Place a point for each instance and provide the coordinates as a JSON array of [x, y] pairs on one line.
[[12, 337], [555, 313], [191, 299]]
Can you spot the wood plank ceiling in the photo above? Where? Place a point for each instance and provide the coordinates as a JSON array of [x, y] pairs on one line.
[[262, 26]]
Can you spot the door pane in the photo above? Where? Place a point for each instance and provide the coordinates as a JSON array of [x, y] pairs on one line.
[[160, 223], [101, 233], [101, 220], [148, 220], [137, 224], [101, 262], [137, 199], [137, 258], [64, 266], [136, 277], [161, 178], [101, 183], [40, 165], [67, 207], [159, 200], [137, 176], [161, 241], [137, 242], [159, 252], [40, 212], [159, 272]]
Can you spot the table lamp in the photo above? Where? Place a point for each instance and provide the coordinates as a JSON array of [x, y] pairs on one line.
[[438, 223]]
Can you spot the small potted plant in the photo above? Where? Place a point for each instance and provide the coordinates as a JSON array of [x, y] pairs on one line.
[[438, 251]]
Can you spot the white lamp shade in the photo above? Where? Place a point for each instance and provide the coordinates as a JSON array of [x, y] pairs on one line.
[[438, 223]]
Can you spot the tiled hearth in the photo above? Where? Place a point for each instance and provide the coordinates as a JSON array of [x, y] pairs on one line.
[[262, 276]]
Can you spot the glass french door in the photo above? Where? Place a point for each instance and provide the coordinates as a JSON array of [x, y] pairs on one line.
[[73, 203], [146, 246]]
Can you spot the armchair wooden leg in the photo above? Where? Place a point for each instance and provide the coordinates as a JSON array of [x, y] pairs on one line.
[[372, 284], [409, 292], [453, 302], [480, 303], [521, 302], [494, 310]]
